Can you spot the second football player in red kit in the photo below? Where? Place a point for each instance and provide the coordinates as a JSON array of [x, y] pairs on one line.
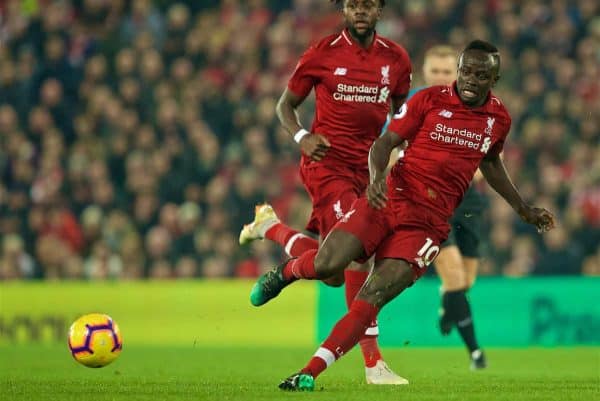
[[451, 131]]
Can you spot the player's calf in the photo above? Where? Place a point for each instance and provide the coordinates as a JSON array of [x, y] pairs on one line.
[[389, 278]]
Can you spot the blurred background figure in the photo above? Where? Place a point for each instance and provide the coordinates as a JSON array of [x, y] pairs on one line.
[[136, 136]]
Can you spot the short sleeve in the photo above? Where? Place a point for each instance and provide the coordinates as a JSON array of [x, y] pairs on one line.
[[407, 122], [404, 69], [305, 76]]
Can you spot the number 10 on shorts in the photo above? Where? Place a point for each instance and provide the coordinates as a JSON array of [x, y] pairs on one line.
[[427, 253]]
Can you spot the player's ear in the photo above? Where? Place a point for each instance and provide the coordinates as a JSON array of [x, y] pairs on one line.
[[495, 79]]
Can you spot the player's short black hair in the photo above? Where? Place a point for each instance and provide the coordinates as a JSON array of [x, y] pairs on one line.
[[482, 45], [381, 2], [486, 47]]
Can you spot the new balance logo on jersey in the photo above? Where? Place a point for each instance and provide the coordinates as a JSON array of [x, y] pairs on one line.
[[445, 113], [340, 71], [490, 125]]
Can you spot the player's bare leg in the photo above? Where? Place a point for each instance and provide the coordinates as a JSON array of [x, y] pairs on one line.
[[376, 369], [456, 310], [471, 266], [388, 279], [336, 253]]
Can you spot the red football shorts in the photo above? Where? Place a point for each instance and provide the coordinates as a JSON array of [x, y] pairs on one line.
[[333, 190], [403, 230]]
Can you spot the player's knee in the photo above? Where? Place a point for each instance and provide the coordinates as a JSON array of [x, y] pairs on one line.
[[470, 281], [471, 265], [453, 280], [449, 267], [335, 281]]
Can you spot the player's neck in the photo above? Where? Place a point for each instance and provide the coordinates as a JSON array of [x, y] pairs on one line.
[[363, 41]]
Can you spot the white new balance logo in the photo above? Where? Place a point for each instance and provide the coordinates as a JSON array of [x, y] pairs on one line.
[[445, 113], [340, 71]]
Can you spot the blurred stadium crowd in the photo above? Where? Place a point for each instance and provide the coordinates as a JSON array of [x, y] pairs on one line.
[[137, 136]]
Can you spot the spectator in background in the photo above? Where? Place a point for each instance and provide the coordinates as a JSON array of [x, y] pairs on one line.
[[139, 109], [15, 262]]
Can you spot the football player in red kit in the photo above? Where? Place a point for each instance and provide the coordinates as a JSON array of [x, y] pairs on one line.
[[357, 76], [451, 131]]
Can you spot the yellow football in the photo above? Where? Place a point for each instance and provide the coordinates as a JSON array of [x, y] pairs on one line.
[[95, 340]]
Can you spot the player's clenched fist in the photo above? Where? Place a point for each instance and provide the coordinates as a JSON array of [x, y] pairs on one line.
[[315, 146], [377, 194], [539, 217]]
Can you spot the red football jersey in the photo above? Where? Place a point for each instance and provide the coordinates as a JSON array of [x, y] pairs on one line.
[[447, 141], [353, 88]]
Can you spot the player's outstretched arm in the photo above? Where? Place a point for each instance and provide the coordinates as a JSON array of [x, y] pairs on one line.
[[286, 111], [379, 157], [311, 144], [494, 171]]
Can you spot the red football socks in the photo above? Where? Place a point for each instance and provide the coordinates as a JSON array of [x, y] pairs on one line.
[[294, 242], [368, 342], [343, 337], [354, 281], [303, 267]]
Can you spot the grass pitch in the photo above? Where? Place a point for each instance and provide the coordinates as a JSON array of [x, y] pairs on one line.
[[151, 373]]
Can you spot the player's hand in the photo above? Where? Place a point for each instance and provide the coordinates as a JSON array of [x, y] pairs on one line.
[[541, 218], [315, 146], [377, 194]]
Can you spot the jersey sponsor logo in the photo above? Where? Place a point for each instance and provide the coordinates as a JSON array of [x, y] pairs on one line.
[[340, 71], [445, 113], [361, 93], [456, 136], [383, 95], [486, 145], [490, 125], [463, 137], [385, 75]]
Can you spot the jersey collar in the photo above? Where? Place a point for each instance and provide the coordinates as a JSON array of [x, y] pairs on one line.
[[349, 40], [455, 99]]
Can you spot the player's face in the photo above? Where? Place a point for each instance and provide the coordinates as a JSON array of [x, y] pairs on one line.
[[476, 76], [439, 70], [361, 16]]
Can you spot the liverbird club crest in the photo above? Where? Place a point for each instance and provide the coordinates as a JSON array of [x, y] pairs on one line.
[[490, 125], [385, 75]]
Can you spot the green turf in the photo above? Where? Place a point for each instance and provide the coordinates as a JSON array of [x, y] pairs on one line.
[[48, 373]]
